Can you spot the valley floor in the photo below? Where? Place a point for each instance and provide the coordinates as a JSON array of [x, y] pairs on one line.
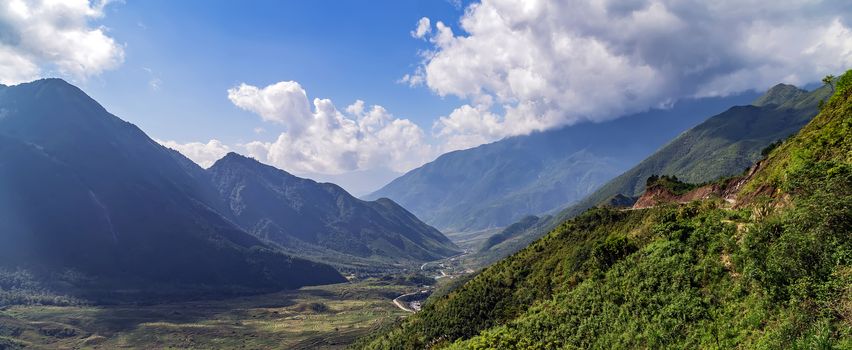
[[324, 317], [472, 240]]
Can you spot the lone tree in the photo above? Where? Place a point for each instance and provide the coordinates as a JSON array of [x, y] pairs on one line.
[[829, 80]]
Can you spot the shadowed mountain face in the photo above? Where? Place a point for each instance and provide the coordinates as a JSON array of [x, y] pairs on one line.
[[294, 212], [81, 189], [497, 184]]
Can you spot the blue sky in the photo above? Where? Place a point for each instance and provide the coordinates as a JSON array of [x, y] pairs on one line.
[[197, 50], [279, 80]]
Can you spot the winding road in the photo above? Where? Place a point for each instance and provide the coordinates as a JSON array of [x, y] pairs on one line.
[[403, 305]]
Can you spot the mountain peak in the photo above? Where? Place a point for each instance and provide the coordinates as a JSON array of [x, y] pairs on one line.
[[236, 158], [236, 161], [59, 81], [296, 212], [51, 95], [57, 84], [779, 94], [235, 155], [104, 180]]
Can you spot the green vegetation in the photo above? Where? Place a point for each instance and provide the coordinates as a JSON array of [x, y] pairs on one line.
[[772, 272], [472, 240], [768, 149], [508, 244], [829, 80], [670, 183], [407, 279], [326, 317], [509, 232], [498, 184], [723, 145], [619, 201]]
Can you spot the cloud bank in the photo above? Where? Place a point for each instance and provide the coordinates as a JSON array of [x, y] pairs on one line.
[[523, 66], [548, 63], [321, 139], [46, 36], [203, 154]]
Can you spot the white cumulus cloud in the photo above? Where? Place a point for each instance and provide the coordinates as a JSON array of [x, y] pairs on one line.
[[424, 26], [39, 36], [548, 63], [203, 154], [467, 127], [321, 139]]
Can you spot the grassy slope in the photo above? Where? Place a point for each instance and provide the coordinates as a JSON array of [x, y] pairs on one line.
[[775, 273], [509, 232], [724, 145]]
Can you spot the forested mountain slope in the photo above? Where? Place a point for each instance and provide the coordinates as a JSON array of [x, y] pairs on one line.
[[723, 145], [497, 184], [761, 261]]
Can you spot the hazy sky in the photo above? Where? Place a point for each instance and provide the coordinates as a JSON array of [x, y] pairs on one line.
[[358, 91]]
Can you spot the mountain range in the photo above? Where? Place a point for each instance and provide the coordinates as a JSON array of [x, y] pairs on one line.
[[303, 215], [497, 184], [723, 145], [87, 198], [754, 261]]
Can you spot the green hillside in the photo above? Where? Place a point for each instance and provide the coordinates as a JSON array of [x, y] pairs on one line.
[[772, 270], [497, 184], [723, 145], [513, 230]]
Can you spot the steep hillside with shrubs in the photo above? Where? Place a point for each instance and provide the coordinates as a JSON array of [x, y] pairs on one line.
[[766, 262], [723, 145]]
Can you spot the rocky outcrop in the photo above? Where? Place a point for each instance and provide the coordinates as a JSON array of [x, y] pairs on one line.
[[657, 195], [729, 190]]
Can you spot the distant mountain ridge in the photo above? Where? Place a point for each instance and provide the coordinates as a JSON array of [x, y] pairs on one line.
[[81, 189], [293, 212], [496, 184], [84, 193]]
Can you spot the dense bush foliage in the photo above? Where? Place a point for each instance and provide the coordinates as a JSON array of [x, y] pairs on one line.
[[768, 149], [773, 273], [670, 183], [700, 282]]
